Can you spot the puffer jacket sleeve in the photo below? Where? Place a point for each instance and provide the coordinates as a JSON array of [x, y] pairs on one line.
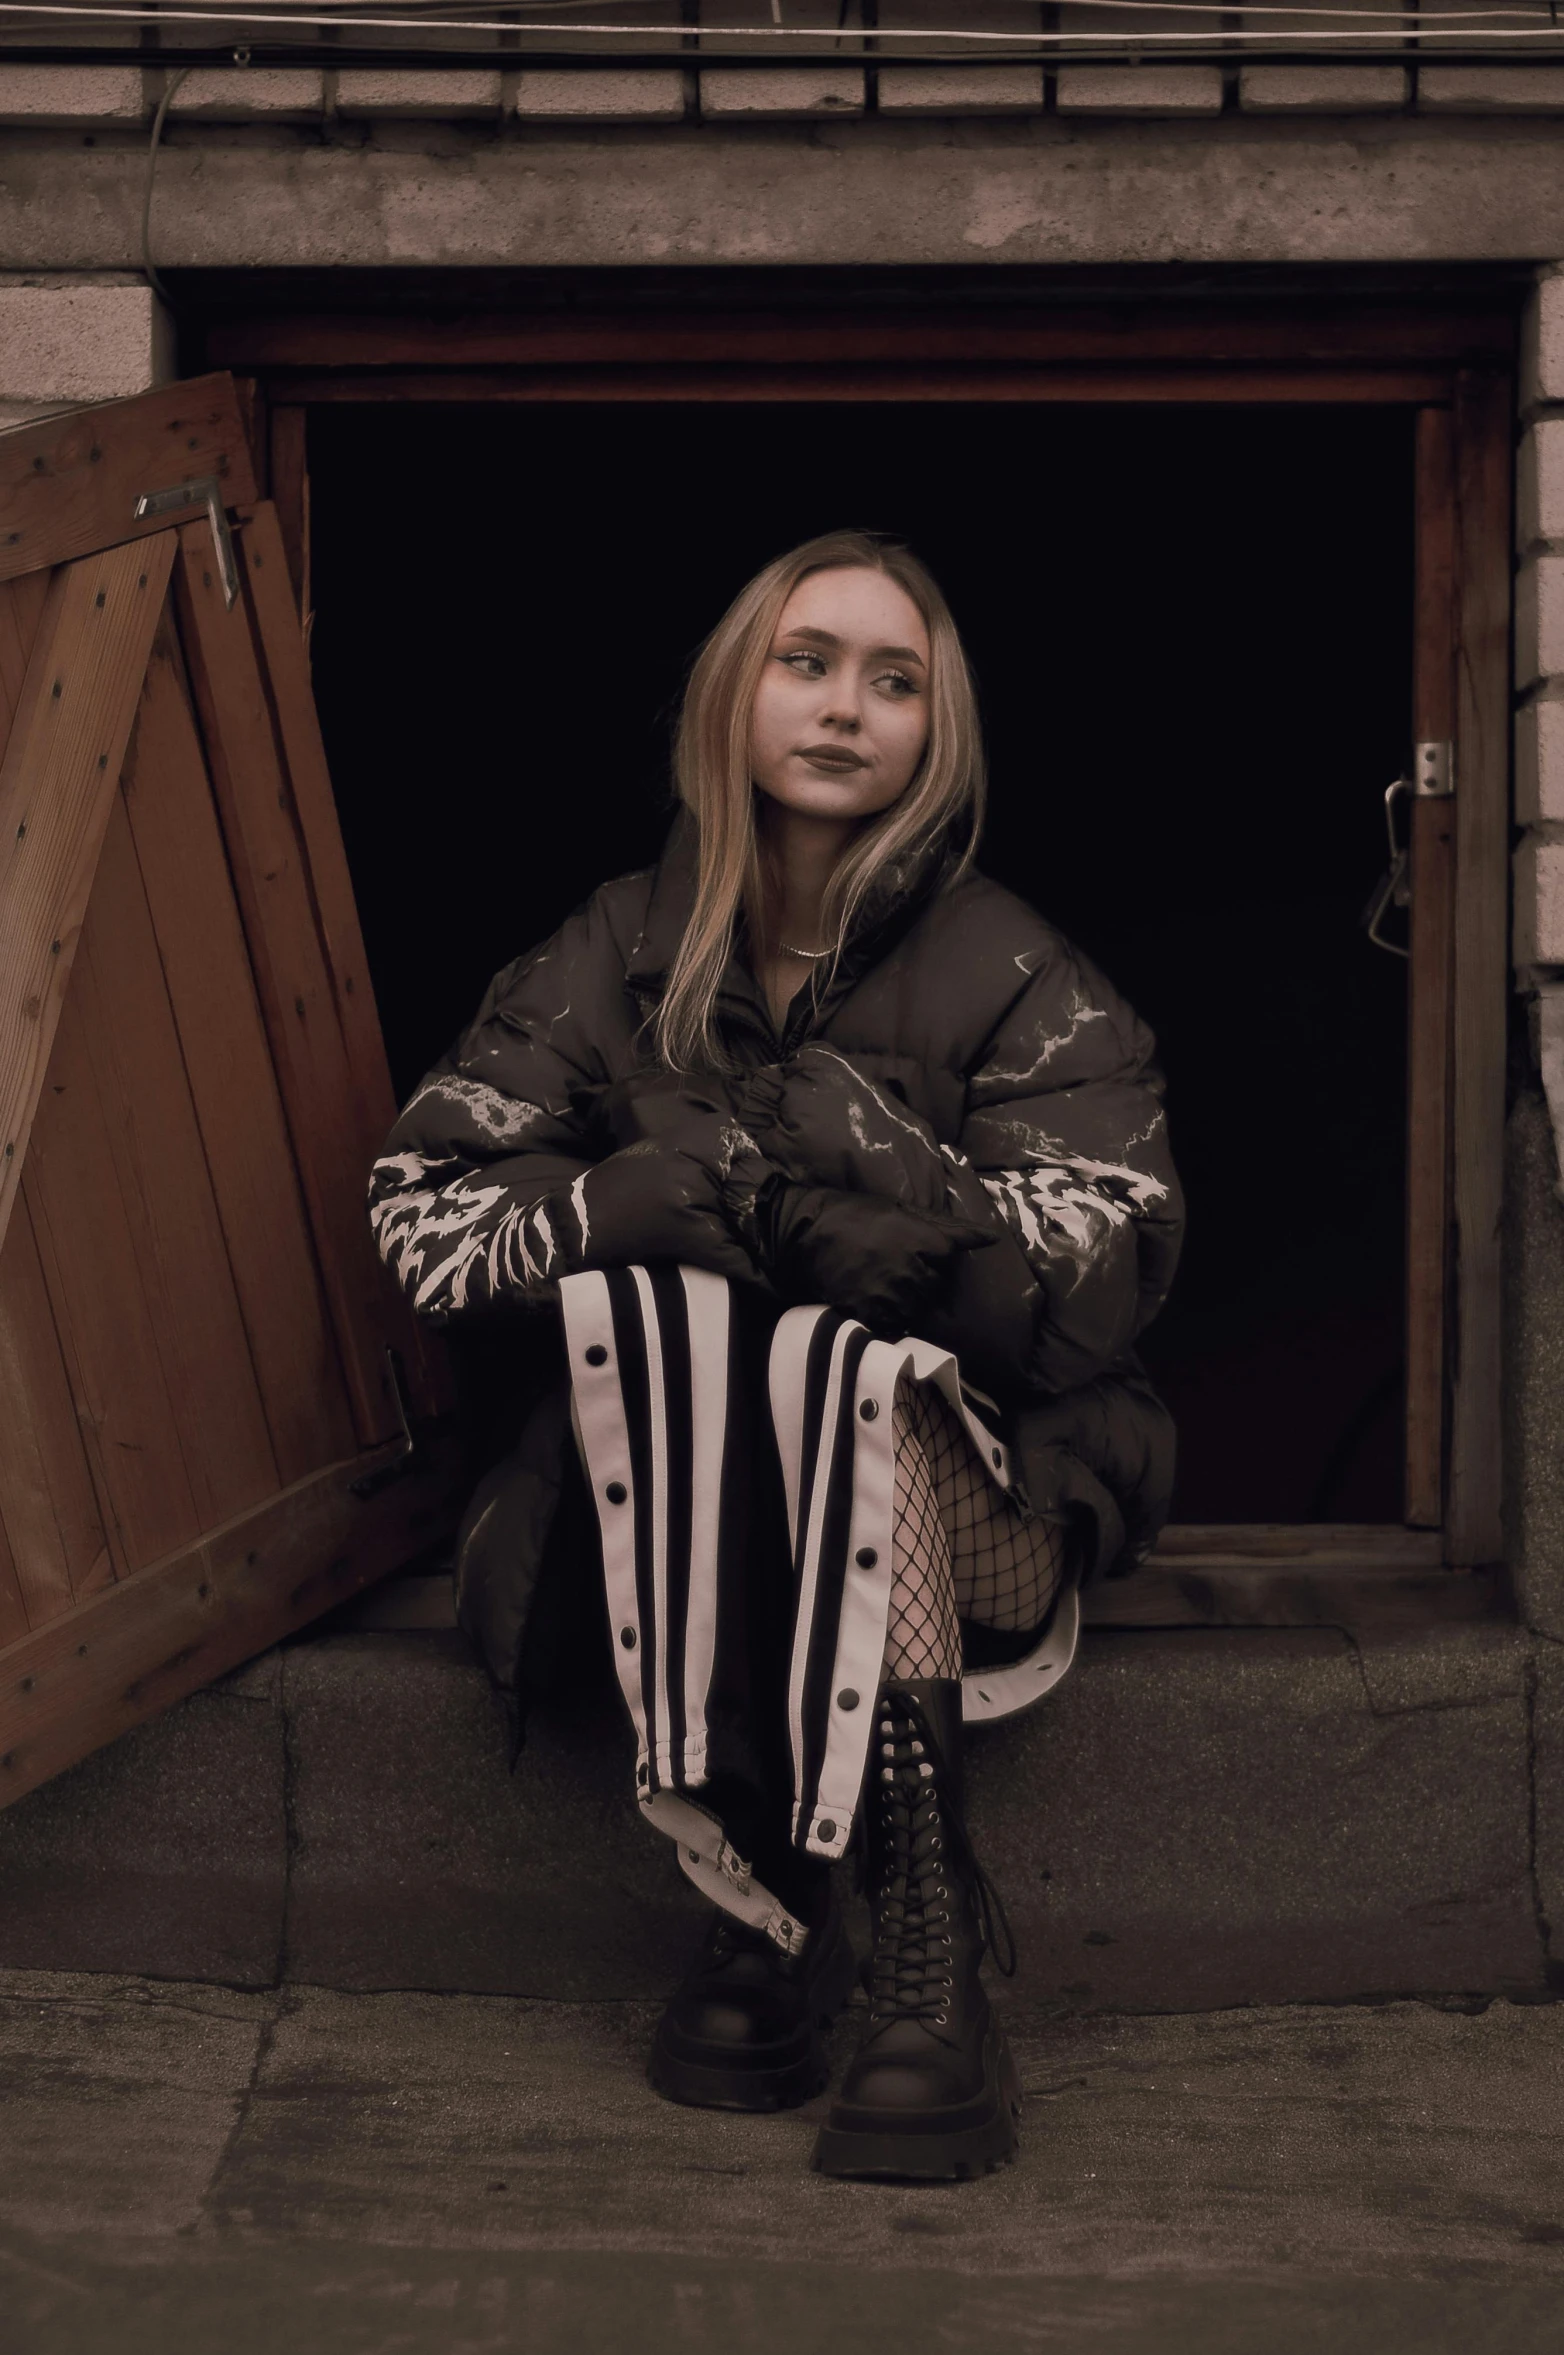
[[1066, 1136], [471, 1200]]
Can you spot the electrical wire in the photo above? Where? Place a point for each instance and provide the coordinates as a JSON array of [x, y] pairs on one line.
[[149, 267], [1454, 24]]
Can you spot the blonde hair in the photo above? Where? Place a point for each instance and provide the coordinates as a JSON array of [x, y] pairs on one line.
[[711, 764]]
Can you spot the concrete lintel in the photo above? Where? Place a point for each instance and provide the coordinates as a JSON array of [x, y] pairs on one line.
[[1239, 189]]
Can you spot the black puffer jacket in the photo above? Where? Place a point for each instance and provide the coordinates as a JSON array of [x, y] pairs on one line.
[[966, 1129]]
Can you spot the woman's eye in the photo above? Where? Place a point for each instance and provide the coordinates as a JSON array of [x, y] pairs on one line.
[[808, 666], [897, 684]]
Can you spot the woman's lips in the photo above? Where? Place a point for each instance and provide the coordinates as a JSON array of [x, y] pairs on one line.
[[832, 758]]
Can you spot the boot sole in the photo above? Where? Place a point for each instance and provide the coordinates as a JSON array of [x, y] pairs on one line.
[[906, 2156], [759, 2086], [702, 2086]]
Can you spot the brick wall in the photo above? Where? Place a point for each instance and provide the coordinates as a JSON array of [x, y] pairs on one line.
[[1539, 681], [65, 340]]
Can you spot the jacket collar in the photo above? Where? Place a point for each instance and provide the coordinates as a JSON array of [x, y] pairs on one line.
[[900, 898]]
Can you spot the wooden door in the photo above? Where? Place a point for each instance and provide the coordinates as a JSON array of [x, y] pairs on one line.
[[205, 1380]]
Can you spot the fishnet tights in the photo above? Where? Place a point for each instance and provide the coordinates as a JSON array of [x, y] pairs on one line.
[[960, 1548]]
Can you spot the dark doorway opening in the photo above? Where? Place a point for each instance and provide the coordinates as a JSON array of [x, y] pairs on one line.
[[1192, 632]]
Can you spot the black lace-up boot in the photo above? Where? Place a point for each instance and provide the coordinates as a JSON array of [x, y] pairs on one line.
[[743, 2031], [932, 2090]]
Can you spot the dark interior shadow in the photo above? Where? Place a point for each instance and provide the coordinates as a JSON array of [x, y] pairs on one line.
[[1191, 628]]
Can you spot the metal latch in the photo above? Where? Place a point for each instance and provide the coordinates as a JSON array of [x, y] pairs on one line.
[[1394, 888], [1432, 779], [206, 492], [409, 1456]]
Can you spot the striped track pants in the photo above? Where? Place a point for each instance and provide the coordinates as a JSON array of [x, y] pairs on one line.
[[743, 1474]]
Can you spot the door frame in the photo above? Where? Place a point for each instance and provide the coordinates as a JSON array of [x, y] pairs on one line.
[[1454, 365]]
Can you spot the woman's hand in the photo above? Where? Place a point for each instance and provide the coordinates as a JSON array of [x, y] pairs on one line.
[[650, 1202], [883, 1262]]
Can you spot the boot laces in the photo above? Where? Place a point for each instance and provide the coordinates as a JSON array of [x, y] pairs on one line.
[[926, 1847]]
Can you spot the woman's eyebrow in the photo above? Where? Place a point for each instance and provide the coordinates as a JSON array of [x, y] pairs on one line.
[[829, 638]]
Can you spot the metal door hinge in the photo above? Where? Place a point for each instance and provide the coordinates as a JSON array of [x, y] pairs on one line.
[[1433, 770], [206, 492]]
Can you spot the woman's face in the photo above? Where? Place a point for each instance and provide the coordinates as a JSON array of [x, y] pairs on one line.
[[841, 714]]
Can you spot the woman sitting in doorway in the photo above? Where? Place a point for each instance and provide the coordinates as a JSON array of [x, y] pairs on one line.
[[841, 1181]]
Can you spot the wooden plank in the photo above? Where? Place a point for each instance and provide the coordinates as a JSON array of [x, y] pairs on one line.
[[1299, 331], [57, 782], [873, 382], [1430, 1002], [1481, 974], [51, 1512], [270, 865], [285, 656], [69, 485], [13, 1615], [264, 569], [1298, 1545], [141, 1095], [222, 1038], [1282, 1598], [149, 1641], [290, 492], [99, 1294], [21, 609]]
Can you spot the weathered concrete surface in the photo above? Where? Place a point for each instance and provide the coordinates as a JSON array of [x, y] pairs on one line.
[[64, 340], [421, 1862], [1240, 188], [166, 1852], [1214, 1818], [357, 2173], [1534, 1367], [1195, 1820]]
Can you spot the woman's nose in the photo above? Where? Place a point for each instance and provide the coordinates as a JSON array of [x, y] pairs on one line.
[[841, 709]]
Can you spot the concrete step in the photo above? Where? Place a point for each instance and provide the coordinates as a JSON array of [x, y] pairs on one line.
[[1196, 1820]]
